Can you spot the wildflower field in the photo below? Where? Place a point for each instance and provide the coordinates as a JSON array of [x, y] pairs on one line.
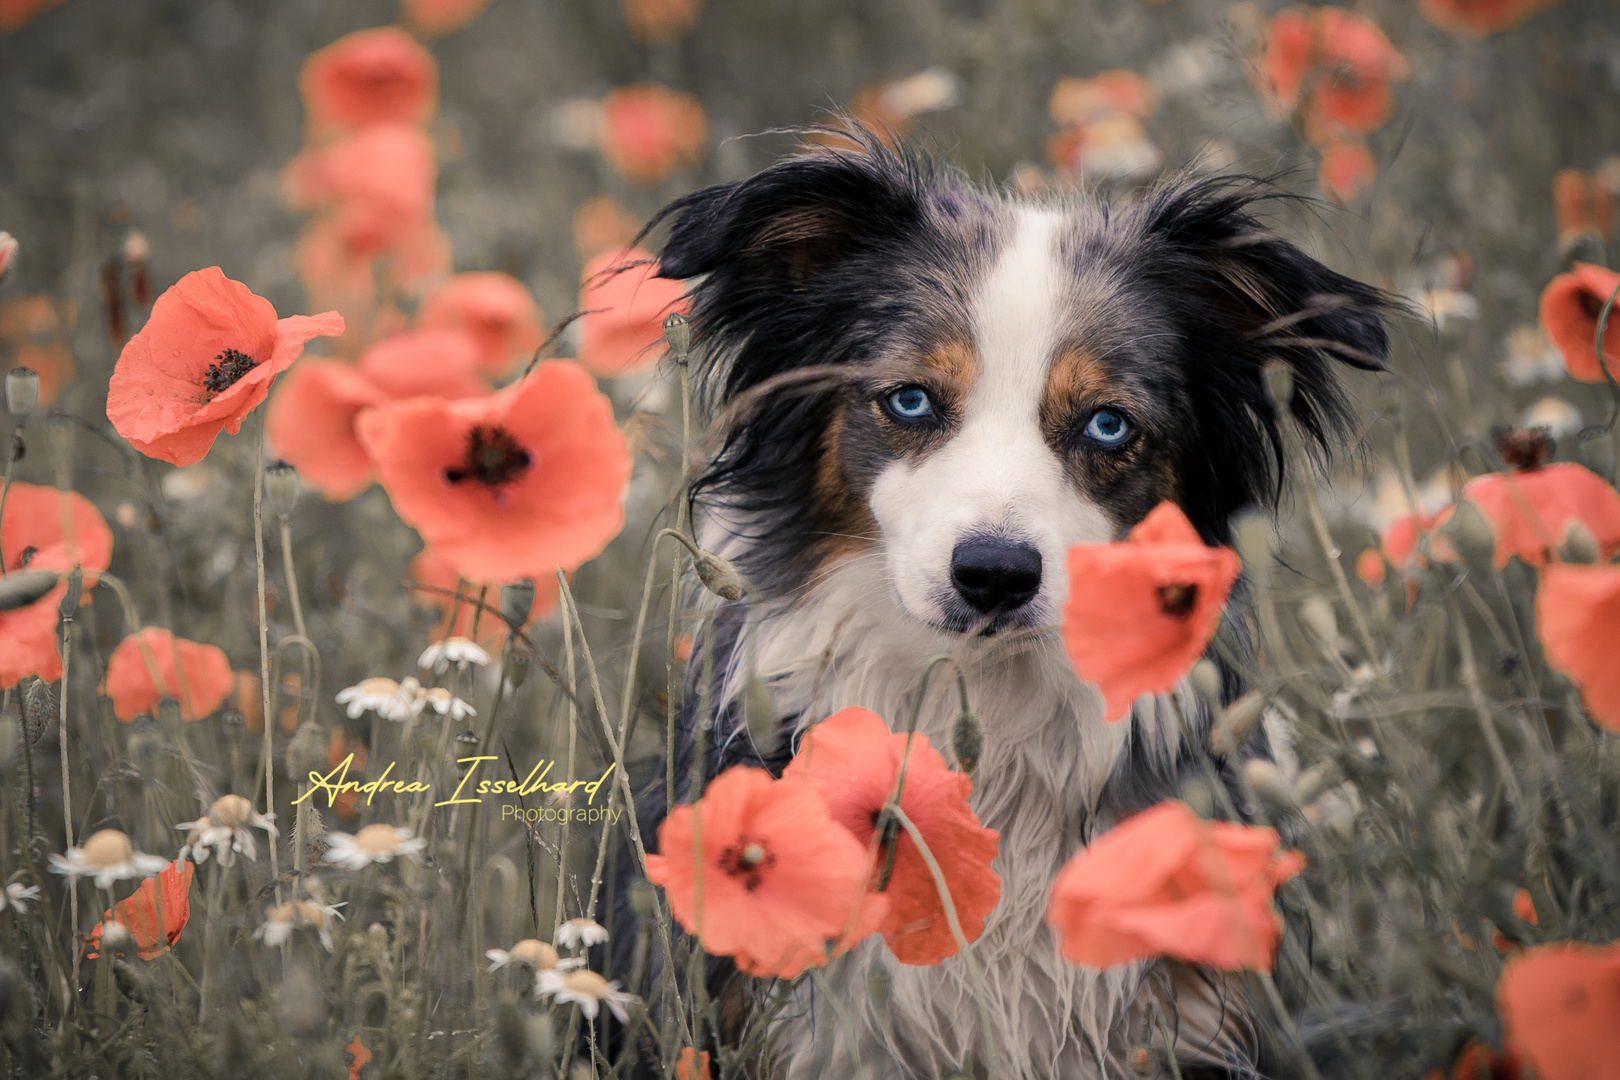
[[350, 591]]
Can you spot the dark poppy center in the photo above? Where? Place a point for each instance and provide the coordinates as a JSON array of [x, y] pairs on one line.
[[747, 860], [1525, 448], [1177, 601], [230, 366], [493, 457]]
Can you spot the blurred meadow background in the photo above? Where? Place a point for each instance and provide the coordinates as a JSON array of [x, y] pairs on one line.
[[1445, 782]]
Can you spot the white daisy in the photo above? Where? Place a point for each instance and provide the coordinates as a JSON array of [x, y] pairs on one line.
[[107, 856], [531, 953], [17, 894], [588, 990], [459, 651], [576, 932], [388, 699], [443, 702], [374, 843], [224, 829], [280, 921]]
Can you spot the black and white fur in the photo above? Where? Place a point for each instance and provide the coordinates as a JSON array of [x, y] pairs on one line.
[[869, 271]]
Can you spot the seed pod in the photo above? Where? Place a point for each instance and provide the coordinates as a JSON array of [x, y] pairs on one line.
[[719, 576], [1279, 379], [967, 740], [281, 487], [517, 598], [22, 391], [1237, 723], [1579, 545], [759, 713], [678, 332], [18, 590], [70, 598], [518, 662]]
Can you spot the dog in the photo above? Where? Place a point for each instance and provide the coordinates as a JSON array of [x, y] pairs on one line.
[[935, 391]]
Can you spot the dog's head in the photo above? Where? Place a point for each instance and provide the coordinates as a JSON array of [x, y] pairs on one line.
[[966, 385]]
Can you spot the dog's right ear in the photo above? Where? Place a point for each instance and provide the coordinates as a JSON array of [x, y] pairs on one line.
[[778, 256]]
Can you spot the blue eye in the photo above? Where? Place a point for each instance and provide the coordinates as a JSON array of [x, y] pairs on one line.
[[1108, 427], [910, 403]]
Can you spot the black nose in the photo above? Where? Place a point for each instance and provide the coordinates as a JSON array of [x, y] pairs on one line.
[[996, 575]]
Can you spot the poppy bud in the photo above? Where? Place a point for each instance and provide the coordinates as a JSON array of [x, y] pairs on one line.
[[967, 740], [1206, 681], [1579, 545], [518, 661], [878, 984], [517, 598], [39, 708], [282, 487], [22, 391], [759, 713], [1319, 618], [1196, 794], [1469, 534], [1237, 723], [1269, 783], [138, 255], [1279, 379], [70, 599], [1597, 449], [644, 899], [1251, 532], [678, 332], [8, 253], [24, 587], [719, 576], [307, 751]]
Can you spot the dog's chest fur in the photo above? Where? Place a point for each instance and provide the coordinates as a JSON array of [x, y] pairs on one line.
[[1043, 783]]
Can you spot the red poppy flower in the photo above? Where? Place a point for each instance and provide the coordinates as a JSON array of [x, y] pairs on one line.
[[625, 304], [1345, 107], [1578, 620], [202, 362], [1167, 883], [1479, 18], [692, 1065], [378, 183], [780, 878], [199, 676], [511, 485], [311, 420], [435, 18], [600, 224], [1478, 1061], [1582, 203], [140, 914], [1352, 43], [852, 760], [660, 20], [38, 329], [335, 273], [647, 132], [1570, 305], [1560, 1005], [369, 77], [1113, 93], [1529, 510], [15, 14], [1371, 569], [361, 1055], [431, 568], [1346, 172], [1141, 612], [45, 529], [1286, 59], [495, 309]]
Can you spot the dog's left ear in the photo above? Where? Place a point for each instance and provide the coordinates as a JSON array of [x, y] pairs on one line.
[[1247, 297]]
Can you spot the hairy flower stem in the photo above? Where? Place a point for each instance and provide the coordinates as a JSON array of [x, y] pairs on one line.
[[1307, 1067], [1481, 708], [968, 961], [1614, 387], [1169, 1043], [573, 734], [292, 577], [61, 731], [264, 647]]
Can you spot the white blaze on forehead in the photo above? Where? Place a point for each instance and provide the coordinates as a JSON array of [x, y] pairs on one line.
[[996, 476]]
